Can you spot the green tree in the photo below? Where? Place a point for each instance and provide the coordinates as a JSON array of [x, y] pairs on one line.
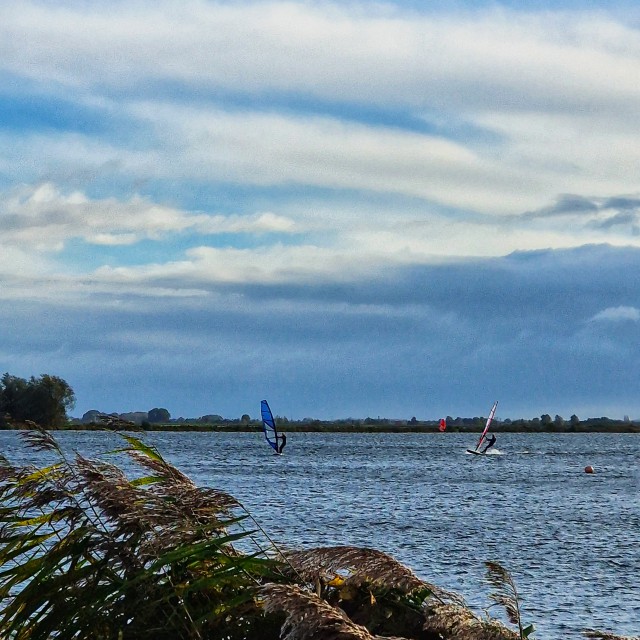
[[44, 400], [12, 396], [48, 398], [158, 415]]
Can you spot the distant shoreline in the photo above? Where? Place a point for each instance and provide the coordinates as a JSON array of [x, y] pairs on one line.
[[586, 427]]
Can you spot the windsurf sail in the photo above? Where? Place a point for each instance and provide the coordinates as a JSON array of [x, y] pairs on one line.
[[486, 427], [269, 425], [443, 424]]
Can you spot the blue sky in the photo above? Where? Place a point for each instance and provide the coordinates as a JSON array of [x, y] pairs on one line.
[[350, 209]]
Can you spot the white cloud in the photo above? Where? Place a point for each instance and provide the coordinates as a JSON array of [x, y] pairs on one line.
[[615, 314], [264, 265], [557, 90], [43, 218], [258, 223], [274, 149], [207, 145], [329, 50], [569, 152], [338, 244]]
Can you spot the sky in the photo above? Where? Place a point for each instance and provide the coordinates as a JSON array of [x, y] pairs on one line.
[[351, 209]]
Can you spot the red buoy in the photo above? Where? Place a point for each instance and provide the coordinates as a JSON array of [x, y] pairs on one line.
[[588, 469]]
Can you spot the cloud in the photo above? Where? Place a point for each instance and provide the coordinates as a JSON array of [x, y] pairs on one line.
[[616, 314], [288, 248], [413, 340], [236, 92], [573, 204], [612, 219], [43, 218], [273, 150], [565, 204], [332, 51]]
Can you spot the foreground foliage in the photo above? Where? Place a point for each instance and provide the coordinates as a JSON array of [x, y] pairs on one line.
[[87, 551]]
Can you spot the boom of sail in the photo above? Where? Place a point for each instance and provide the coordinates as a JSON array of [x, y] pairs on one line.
[[269, 425]]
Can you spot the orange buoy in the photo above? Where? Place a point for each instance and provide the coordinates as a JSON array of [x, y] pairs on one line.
[[588, 469]]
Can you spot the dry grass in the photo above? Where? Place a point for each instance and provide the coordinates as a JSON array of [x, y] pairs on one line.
[[308, 617], [357, 566], [459, 623]]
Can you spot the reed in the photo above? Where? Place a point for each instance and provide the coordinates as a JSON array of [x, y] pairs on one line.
[[88, 551], [506, 594]]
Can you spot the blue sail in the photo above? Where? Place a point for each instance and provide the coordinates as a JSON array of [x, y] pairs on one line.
[[269, 425]]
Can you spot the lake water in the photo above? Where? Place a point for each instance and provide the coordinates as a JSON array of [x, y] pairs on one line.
[[571, 540]]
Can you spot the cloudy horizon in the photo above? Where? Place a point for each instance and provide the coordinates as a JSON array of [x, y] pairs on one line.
[[351, 209]]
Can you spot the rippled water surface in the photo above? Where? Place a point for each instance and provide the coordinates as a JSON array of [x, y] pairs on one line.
[[570, 539]]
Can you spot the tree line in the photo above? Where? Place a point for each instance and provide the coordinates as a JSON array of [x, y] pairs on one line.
[[47, 399]]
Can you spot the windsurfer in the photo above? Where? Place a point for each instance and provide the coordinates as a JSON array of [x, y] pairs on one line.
[[283, 442], [492, 441]]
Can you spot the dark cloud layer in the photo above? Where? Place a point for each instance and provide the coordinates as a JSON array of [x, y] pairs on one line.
[[424, 341]]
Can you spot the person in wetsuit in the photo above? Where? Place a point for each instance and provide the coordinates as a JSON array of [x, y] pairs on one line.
[[492, 441], [283, 442]]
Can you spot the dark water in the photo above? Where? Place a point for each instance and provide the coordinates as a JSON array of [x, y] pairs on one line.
[[571, 540]]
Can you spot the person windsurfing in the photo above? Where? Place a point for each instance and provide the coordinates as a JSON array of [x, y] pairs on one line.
[[283, 442], [492, 441]]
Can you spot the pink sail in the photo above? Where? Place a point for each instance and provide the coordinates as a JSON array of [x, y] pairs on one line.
[[486, 427]]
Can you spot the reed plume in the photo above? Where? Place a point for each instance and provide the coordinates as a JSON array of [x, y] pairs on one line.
[[308, 617], [506, 594], [355, 566], [86, 552], [460, 623]]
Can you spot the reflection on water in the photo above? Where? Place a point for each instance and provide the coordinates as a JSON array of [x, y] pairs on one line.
[[570, 539]]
